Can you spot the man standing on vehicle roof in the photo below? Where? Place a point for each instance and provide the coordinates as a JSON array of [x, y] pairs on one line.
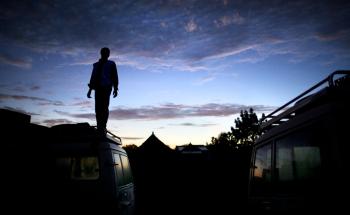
[[104, 77]]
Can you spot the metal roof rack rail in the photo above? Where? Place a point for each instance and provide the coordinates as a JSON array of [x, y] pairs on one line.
[[277, 117], [110, 134], [113, 135], [83, 131]]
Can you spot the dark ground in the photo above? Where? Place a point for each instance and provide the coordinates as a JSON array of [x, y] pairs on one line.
[[191, 184]]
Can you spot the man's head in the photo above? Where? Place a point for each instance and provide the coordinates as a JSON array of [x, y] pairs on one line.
[[105, 53]]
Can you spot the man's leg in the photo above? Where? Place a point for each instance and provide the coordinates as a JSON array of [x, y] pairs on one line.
[[98, 108], [102, 97], [106, 97]]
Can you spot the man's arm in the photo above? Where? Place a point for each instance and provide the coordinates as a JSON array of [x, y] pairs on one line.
[[115, 80], [92, 83], [89, 93]]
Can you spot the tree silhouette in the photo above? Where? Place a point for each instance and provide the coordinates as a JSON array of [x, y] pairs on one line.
[[131, 148], [225, 139], [245, 132], [247, 127]]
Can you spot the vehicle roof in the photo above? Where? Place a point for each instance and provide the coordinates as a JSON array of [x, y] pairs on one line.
[[83, 132], [66, 147], [307, 106], [82, 136], [314, 115]]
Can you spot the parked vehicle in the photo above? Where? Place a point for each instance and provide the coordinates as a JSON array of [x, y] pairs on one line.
[[300, 162], [67, 167]]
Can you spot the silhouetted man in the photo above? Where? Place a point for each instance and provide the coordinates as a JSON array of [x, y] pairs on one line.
[[104, 76]]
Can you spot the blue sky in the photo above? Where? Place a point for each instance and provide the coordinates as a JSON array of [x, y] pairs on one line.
[[186, 68]]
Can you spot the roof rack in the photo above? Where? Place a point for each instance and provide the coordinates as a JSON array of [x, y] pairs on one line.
[[113, 135], [81, 131], [110, 134], [277, 117]]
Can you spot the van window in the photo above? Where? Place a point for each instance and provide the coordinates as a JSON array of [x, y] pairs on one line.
[[126, 170], [298, 159], [118, 170], [78, 168], [262, 169]]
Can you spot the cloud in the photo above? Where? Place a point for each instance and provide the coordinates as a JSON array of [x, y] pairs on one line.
[[172, 111], [46, 102], [191, 26], [230, 52], [206, 79], [226, 20], [83, 62], [83, 104], [53, 103], [159, 64], [163, 24], [132, 138], [194, 124], [11, 87], [35, 87], [17, 62], [18, 97], [152, 29], [42, 101], [325, 37], [52, 122]]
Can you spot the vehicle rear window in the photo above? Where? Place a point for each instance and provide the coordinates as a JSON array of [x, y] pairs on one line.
[[78, 167], [126, 170], [262, 169], [118, 170], [298, 160], [123, 171]]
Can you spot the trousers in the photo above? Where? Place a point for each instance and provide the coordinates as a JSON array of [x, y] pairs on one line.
[[102, 96]]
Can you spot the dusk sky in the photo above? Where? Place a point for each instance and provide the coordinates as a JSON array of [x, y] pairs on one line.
[[186, 68]]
